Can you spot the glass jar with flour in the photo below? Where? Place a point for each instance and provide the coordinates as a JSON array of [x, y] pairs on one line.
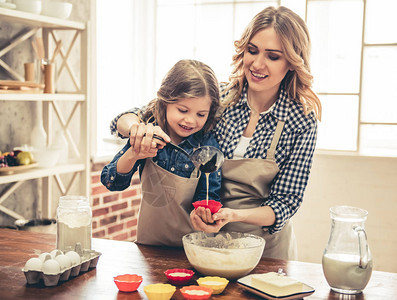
[[74, 222]]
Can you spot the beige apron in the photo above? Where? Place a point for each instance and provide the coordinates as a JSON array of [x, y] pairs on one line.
[[165, 207], [245, 183]]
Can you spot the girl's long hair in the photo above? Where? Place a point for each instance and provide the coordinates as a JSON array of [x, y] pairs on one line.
[[294, 36], [186, 79]]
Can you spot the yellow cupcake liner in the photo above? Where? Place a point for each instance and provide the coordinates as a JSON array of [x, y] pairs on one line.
[[216, 283], [159, 291]]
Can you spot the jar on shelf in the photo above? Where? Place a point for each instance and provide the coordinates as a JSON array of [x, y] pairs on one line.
[[74, 222]]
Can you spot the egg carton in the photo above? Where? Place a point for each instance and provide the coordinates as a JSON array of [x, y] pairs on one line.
[[56, 267]]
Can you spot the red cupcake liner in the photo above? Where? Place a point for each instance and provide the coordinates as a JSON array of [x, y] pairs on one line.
[[195, 288], [128, 282], [176, 279], [213, 205]]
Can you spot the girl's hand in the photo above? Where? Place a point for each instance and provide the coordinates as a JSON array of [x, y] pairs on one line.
[[201, 221], [205, 215], [135, 154], [142, 138], [127, 161]]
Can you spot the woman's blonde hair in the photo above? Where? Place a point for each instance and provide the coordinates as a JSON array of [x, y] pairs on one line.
[[295, 42], [186, 79]]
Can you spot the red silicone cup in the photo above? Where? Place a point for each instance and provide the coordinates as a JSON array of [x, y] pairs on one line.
[[128, 282], [213, 205], [178, 279], [193, 296]]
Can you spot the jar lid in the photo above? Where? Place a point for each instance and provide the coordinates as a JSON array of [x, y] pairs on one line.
[[73, 201]]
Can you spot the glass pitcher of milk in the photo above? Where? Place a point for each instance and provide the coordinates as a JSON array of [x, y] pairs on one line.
[[74, 219], [347, 261]]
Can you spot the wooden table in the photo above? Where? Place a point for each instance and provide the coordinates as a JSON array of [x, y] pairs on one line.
[[16, 247]]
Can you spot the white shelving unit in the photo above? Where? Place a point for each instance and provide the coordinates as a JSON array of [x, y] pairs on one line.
[[79, 165]]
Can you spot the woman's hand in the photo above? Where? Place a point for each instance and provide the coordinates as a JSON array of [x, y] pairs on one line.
[[203, 220], [143, 141]]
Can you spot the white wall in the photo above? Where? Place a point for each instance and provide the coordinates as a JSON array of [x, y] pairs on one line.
[[366, 182]]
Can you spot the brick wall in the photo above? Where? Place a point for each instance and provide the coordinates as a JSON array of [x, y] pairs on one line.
[[114, 214]]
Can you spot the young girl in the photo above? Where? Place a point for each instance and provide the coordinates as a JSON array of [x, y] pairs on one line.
[[185, 110]]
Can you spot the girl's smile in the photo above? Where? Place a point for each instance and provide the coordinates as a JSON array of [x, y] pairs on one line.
[[186, 128], [186, 117]]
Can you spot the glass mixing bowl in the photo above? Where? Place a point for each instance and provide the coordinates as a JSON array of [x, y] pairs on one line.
[[226, 254]]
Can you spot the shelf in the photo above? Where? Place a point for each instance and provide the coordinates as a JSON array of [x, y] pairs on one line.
[[74, 48], [12, 15], [42, 97], [42, 172]]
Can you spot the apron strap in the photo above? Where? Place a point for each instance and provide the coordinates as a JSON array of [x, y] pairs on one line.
[[277, 133]]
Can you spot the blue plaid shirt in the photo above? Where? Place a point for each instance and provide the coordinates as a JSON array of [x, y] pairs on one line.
[[294, 152]]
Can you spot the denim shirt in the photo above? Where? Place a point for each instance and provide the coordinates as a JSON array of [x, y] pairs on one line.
[[172, 160]]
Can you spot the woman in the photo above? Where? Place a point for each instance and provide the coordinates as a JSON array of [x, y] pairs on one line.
[[267, 132]]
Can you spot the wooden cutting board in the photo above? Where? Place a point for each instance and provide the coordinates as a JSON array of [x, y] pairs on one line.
[[19, 85]]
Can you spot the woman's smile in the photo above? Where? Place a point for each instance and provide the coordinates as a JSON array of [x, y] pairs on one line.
[[258, 75]]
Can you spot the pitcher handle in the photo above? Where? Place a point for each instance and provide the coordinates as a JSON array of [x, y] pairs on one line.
[[362, 246]]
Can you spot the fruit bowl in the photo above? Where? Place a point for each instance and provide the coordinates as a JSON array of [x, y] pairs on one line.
[[213, 205], [225, 254], [11, 170], [16, 161]]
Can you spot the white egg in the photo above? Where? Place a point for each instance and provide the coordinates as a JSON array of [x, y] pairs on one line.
[[64, 261], [33, 264], [76, 259], [55, 252], [51, 266], [44, 256]]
